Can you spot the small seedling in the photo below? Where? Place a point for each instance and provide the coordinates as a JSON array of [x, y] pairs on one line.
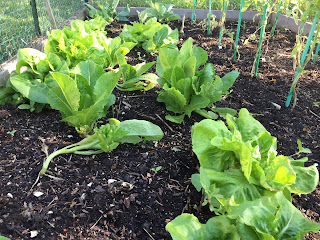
[[157, 169], [12, 132], [316, 104]]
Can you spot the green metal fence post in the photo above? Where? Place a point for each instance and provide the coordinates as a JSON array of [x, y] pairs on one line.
[[209, 18], [35, 16], [193, 11]]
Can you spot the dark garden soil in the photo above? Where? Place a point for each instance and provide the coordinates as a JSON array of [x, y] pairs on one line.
[[116, 195]]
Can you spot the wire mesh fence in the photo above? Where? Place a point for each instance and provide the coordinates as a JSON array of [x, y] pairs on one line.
[[17, 26]]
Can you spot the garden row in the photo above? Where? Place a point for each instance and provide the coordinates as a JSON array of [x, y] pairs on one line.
[[242, 177]]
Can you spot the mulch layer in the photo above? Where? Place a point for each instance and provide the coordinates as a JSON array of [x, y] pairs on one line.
[[116, 195]]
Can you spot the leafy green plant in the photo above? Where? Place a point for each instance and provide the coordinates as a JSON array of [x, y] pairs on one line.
[[108, 12], [86, 40], [162, 12], [247, 183], [151, 36], [4, 238], [28, 85], [240, 163], [85, 97], [185, 88], [156, 170], [12, 132], [107, 137], [135, 77], [269, 217]]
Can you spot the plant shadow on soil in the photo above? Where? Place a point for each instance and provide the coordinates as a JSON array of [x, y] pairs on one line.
[[116, 195]]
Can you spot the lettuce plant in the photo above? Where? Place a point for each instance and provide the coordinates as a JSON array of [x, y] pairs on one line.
[[85, 97], [162, 12], [239, 163], [86, 40], [151, 36], [108, 12], [185, 88], [270, 217], [107, 137], [247, 183], [28, 85], [135, 77]]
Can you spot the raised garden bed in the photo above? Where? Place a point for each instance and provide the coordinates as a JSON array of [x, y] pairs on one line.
[[118, 195]]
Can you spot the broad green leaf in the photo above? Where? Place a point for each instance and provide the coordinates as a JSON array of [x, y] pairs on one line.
[[210, 156], [274, 217], [66, 96], [242, 152], [189, 67], [249, 127], [228, 80], [232, 187], [35, 90], [28, 57], [188, 227], [160, 36], [224, 111], [197, 102], [307, 179], [174, 99], [176, 119], [201, 56], [137, 130], [90, 70]]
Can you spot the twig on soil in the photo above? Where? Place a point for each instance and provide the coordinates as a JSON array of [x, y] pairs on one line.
[[148, 233], [96, 222], [54, 178], [144, 115], [134, 96], [164, 123], [314, 114], [37, 180]]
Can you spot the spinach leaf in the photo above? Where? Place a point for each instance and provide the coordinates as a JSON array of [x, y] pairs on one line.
[[151, 36], [107, 137], [135, 77], [162, 12]]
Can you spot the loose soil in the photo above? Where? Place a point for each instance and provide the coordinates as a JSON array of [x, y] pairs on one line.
[[116, 195]]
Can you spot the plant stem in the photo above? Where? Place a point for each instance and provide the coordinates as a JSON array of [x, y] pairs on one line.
[[262, 31], [238, 31], [302, 61], [223, 17], [276, 20], [74, 148]]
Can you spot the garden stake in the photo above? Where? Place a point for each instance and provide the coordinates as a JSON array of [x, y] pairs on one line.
[[276, 20], [262, 31], [209, 17], [238, 31], [303, 57], [316, 53], [193, 11], [223, 17]]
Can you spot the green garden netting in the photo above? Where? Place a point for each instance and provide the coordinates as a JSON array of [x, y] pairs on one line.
[[17, 26]]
